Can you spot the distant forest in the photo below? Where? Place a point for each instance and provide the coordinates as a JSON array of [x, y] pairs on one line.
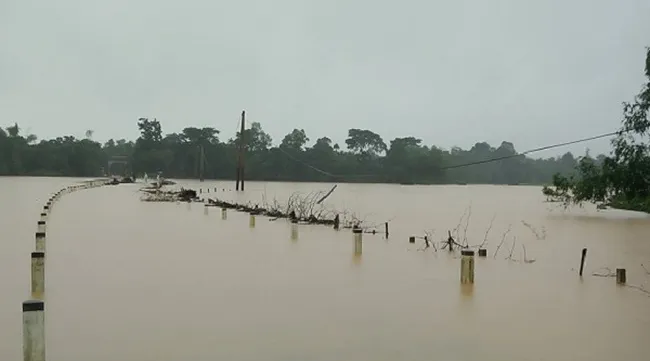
[[365, 157]]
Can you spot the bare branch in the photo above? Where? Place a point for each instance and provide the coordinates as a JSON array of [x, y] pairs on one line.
[[487, 232], [469, 215], [645, 269], [503, 238], [514, 242], [526, 260], [604, 272]]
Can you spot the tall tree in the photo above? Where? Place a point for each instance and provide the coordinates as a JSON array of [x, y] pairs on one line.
[[622, 179]]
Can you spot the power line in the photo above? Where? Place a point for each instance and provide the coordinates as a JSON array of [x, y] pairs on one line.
[[536, 150], [307, 165], [490, 160]]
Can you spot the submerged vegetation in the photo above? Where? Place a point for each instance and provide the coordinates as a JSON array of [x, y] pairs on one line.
[[622, 179]]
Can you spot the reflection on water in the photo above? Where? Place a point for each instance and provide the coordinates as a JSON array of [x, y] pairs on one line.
[[129, 280]]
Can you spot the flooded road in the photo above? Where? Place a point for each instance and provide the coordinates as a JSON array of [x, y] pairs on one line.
[[132, 280]]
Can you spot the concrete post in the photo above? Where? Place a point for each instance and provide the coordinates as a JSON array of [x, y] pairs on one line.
[[621, 278], [358, 240], [467, 266], [40, 226], [34, 330], [38, 273], [294, 231], [40, 242]]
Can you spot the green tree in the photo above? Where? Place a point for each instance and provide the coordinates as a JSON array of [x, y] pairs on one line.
[[295, 140], [622, 179], [365, 141]]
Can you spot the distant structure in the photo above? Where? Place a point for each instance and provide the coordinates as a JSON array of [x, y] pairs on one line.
[[117, 159]]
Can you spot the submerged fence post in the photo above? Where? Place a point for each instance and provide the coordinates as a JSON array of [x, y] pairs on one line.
[[582, 260], [43, 216], [40, 226], [358, 240], [294, 230], [224, 213], [34, 330], [205, 209], [412, 239], [482, 252], [620, 276], [386, 228], [40, 241], [467, 266], [38, 274], [251, 220]]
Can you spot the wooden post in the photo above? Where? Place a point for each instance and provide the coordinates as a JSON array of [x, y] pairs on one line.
[[386, 228], [224, 213], [482, 252], [412, 239], [337, 221], [251, 220], [34, 330], [242, 147], [582, 260], [620, 276], [205, 209], [467, 266]]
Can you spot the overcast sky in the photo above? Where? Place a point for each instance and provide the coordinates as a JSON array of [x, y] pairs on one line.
[[449, 72]]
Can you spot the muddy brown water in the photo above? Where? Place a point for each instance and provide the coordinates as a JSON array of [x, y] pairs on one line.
[[129, 280]]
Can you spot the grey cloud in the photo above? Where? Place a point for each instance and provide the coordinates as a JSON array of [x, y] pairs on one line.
[[451, 73]]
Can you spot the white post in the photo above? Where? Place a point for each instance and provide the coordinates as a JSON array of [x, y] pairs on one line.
[[251, 221], [467, 266], [40, 241], [294, 231], [358, 240], [224, 213], [38, 274], [34, 330], [40, 226]]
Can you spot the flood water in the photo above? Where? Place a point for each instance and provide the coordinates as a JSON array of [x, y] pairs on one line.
[[131, 280]]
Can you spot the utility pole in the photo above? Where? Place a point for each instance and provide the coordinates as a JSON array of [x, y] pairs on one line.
[[202, 163], [242, 149]]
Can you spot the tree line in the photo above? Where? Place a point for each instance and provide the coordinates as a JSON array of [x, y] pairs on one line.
[[622, 179], [365, 157]]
